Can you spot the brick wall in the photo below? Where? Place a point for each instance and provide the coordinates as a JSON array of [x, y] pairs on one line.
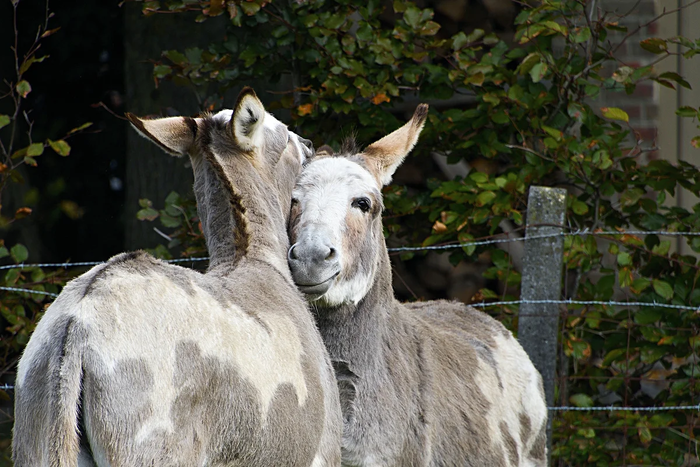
[[642, 106]]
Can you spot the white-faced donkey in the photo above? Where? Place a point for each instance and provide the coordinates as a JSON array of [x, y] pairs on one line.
[[142, 363], [421, 384]]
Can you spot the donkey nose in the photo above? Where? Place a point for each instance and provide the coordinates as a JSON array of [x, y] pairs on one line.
[[291, 254], [311, 253]]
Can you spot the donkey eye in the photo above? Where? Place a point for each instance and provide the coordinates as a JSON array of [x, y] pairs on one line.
[[363, 204]]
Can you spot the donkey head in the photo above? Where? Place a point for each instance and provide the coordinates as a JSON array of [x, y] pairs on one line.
[[244, 160], [336, 226]]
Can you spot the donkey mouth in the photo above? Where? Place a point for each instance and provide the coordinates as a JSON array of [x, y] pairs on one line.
[[319, 288]]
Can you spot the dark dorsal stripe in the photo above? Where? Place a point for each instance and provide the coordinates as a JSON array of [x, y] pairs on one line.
[[241, 236]]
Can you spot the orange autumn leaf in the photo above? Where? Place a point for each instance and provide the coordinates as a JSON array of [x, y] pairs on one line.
[[439, 227], [379, 98], [305, 109]]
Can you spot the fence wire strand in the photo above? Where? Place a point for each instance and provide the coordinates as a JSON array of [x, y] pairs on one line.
[[576, 233], [610, 408], [584, 302]]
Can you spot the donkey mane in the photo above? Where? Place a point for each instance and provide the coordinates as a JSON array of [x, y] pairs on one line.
[[240, 234]]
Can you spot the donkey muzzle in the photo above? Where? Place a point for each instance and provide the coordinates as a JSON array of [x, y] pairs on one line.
[[314, 266]]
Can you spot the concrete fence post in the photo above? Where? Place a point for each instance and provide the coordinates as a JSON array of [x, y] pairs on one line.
[[538, 324]]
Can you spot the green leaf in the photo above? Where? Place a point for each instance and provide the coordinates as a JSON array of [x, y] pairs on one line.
[[528, 62], [612, 356], [365, 32], [176, 57], [169, 221], [485, 197], [615, 113], [61, 147], [19, 253], [429, 29], [624, 258], [581, 35], [654, 45], [645, 434], [35, 149], [335, 21], [479, 177], [581, 400], [687, 111], [662, 248], [147, 214], [459, 40], [663, 288], [23, 88], [538, 71], [630, 197], [412, 16], [161, 71], [553, 132], [647, 315], [672, 76], [80, 128], [579, 207], [4, 120], [31, 60], [249, 8]]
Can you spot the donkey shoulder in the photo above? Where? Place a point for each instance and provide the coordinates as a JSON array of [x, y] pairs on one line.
[[458, 318]]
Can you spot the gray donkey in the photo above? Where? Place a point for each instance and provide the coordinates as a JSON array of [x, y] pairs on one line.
[[429, 383], [142, 363]]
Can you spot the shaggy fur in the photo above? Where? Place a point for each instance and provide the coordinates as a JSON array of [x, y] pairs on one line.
[[423, 384], [142, 363]]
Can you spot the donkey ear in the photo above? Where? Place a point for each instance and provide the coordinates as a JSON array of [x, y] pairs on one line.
[[175, 135], [324, 151], [247, 120], [384, 156]]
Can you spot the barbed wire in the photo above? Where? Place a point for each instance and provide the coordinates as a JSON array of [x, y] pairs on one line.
[[483, 304], [575, 233], [395, 249], [89, 263], [611, 408], [584, 302], [37, 292]]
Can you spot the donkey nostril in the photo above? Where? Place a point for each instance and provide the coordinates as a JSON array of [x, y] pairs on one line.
[[331, 254], [291, 254]]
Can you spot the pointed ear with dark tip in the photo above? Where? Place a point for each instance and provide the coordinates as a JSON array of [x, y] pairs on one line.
[[247, 120], [385, 156], [175, 135], [324, 151]]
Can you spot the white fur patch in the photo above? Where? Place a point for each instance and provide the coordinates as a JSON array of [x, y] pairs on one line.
[[266, 358], [520, 394], [325, 191], [304, 152], [248, 122]]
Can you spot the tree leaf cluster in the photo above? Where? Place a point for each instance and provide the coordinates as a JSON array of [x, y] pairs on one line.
[[533, 120]]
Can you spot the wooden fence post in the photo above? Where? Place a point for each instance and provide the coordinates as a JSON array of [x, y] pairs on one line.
[[538, 324]]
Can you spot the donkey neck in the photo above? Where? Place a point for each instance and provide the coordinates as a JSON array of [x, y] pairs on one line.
[[237, 226], [355, 334]]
